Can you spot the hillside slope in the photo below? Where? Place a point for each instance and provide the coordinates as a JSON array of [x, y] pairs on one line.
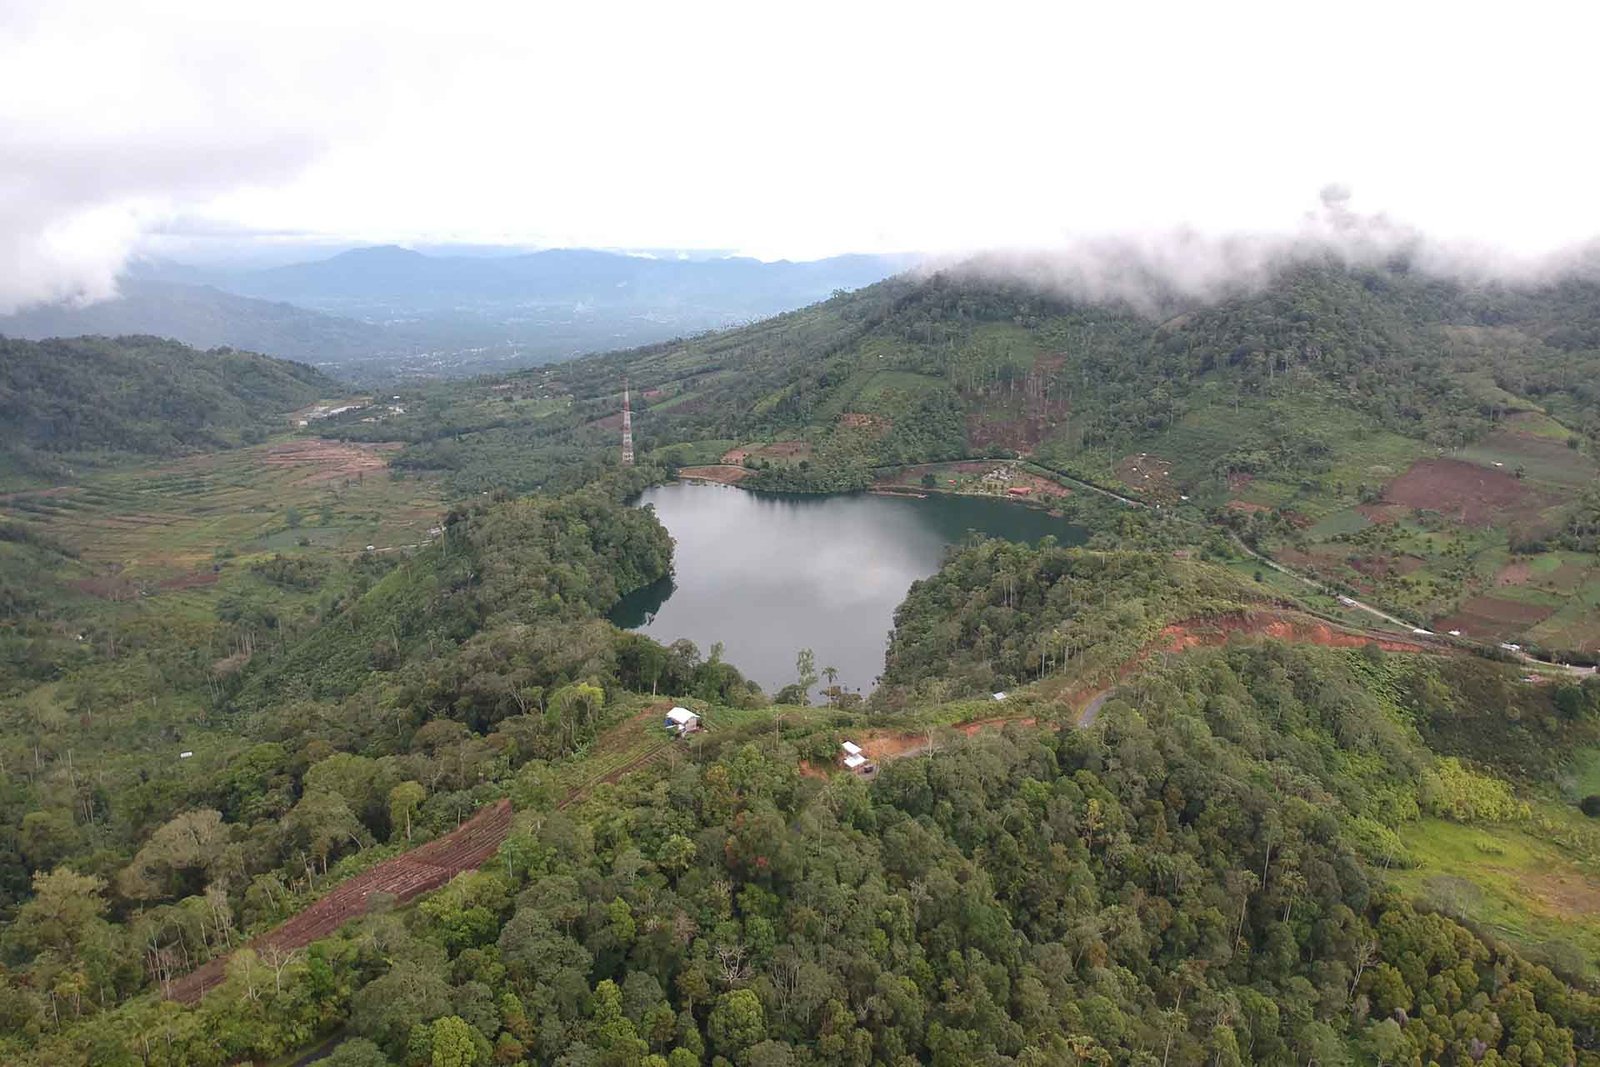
[[145, 395], [1420, 442]]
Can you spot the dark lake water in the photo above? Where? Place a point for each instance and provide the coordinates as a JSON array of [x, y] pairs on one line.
[[768, 575]]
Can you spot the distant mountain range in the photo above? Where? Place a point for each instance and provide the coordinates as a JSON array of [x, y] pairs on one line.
[[386, 279], [387, 312], [206, 317]]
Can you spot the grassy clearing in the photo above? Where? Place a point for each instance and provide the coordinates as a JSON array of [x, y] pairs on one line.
[[1523, 888], [1583, 776], [1348, 521], [883, 392]]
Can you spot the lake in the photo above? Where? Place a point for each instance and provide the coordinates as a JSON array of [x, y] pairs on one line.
[[769, 574]]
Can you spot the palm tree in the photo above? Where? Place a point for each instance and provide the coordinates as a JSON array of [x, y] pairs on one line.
[[831, 674]]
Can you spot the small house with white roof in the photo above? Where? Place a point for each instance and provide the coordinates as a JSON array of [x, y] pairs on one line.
[[681, 721], [855, 760]]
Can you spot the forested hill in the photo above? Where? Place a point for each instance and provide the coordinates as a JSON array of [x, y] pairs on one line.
[[1025, 370], [141, 395], [1422, 444]]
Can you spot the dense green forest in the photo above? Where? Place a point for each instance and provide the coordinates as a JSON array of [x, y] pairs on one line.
[[63, 399]]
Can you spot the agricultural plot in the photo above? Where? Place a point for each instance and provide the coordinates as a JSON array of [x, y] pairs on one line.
[[1450, 540], [169, 526]]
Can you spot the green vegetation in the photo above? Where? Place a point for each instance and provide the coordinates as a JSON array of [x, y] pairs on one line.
[[216, 702], [1401, 438], [998, 615], [68, 401]]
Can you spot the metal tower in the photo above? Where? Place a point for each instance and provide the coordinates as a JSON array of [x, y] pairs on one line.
[[627, 427]]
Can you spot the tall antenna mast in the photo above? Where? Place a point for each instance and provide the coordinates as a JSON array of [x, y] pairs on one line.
[[627, 427]]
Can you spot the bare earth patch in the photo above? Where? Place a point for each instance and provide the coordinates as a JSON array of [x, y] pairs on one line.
[[326, 461], [1465, 492], [723, 473], [1565, 891], [1493, 617], [1210, 632]]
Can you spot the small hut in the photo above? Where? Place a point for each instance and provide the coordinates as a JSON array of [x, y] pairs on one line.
[[855, 760], [681, 721]]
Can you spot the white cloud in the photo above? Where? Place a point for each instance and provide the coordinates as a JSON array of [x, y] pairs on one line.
[[797, 130]]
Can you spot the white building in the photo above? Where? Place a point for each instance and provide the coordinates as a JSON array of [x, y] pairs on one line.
[[855, 760], [682, 721]]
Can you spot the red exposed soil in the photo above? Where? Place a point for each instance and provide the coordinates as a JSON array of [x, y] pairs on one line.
[[402, 878], [1238, 480], [735, 456], [1301, 629], [1021, 436], [1564, 890], [1245, 506], [1208, 632], [1493, 617], [326, 461], [717, 472], [978, 726], [1464, 492]]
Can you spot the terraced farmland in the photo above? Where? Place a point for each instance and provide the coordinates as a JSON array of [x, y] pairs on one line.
[[174, 521]]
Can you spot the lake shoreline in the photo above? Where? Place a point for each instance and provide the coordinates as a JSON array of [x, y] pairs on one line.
[[769, 573]]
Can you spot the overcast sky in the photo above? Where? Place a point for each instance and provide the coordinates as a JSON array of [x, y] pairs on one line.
[[777, 129]]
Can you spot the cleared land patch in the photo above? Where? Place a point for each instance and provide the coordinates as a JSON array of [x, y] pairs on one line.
[[1465, 492], [401, 879], [1495, 617], [725, 473], [1524, 888]]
